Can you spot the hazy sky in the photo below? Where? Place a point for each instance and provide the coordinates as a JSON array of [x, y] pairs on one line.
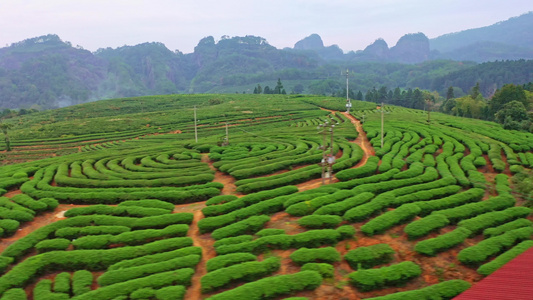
[[180, 24]]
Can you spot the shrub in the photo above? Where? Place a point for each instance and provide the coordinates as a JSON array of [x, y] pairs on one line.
[[274, 286], [305, 255], [125, 274], [424, 226], [320, 221], [470, 210], [440, 291], [51, 245], [82, 281], [142, 294], [220, 199], [29, 203], [494, 231], [471, 195], [175, 292], [149, 203], [62, 283], [498, 262], [368, 257], [227, 260], [339, 208], [308, 207], [269, 231], [177, 277], [442, 242], [246, 226], [75, 232], [156, 258], [14, 294], [325, 270], [490, 219], [367, 280], [247, 271], [368, 169], [233, 240], [391, 218], [9, 226], [492, 246], [365, 211]]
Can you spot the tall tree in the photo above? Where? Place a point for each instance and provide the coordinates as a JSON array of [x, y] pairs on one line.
[[508, 93], [279, 87], [5, 128], [475, 91], [450, 94]]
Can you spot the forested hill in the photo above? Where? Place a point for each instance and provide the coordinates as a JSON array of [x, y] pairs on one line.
[[46, 72]]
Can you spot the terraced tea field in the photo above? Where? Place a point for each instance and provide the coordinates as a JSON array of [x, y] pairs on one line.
[[128, 205]]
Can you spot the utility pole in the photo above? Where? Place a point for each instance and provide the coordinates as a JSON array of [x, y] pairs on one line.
[[227, 134], [195, 126], [327, 159], [429, 111], [348, 102], [382, 113]]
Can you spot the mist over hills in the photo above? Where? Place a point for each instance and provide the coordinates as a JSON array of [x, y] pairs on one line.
[[46, 72]]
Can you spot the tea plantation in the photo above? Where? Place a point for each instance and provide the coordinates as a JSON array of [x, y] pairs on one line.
[[136, 199]]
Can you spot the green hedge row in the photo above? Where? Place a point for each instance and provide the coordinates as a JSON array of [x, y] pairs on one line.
[[75, 232], [502, 259], [311, 239], [264, 207], [425, 195], [308, 207], [279, 180], [320, 221], [368, 169], [325, 255], [223, 261], [149, 203], [442, 242], [220, 199], [426, 225], [82, 281], [470, 210], [368, 257], [390, 218], [130, 237], [325, 270], [441, 291], [14, 294], [269, 231], [339, 208], [156, 258], [274, 286], [159, 280], [471, 195], [304, 196], [494, 231], [247, 226], [125, 274], [8, 227], [52, 245], [93, 260], [492, 246], [43, 291], [415, 169], [246, 271], [30, 203], [62, 283], [225, 208], [397, 274], [100, 209], [366, 210], [479, 223]]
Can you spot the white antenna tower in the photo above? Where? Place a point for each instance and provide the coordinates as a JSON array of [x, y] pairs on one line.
[[348, 102]]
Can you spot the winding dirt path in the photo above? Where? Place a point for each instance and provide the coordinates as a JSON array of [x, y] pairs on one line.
[[361, 140], [206, 243]]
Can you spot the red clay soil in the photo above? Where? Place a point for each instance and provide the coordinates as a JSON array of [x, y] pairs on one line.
[[206, 243], [229, 181]]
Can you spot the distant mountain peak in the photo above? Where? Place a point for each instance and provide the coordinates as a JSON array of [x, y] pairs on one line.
[[312, 42]]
